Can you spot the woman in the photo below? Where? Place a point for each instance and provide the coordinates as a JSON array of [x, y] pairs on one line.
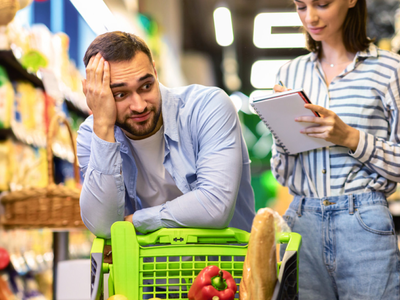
[[349, 248]]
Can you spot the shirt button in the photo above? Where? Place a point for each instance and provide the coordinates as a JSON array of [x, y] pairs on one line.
[[323, 171]]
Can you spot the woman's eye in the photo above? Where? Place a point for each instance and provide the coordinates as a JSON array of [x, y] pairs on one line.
[[301, 7], [323, 5]]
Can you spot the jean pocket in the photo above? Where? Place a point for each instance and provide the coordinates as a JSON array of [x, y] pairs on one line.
[[375, 219], [290, 218]]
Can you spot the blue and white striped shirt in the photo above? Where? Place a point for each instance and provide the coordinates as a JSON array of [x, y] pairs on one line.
[[365, 96]]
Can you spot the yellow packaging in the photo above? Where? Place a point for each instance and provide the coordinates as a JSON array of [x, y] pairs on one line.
[[5, 170], [6, 99]]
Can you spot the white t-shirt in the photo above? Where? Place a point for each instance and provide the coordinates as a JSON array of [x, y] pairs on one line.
[[154, 184]]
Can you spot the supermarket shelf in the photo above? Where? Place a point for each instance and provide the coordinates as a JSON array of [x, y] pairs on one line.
[[15, 71], [36, 139], [5, 133], [75, 101]]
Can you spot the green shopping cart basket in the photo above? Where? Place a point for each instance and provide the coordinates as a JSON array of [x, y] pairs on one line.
[[163, 264]]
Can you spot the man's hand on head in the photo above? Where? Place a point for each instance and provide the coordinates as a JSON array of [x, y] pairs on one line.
[[99, 97]]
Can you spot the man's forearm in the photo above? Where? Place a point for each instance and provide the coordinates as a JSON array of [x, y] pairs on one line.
[[194, 209], [103, 193], [102, 202]]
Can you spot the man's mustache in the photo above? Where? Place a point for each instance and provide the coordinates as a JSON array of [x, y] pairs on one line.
[[135, 113]]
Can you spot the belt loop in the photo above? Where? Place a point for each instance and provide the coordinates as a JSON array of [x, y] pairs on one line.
[[300, 204], [351, 204]]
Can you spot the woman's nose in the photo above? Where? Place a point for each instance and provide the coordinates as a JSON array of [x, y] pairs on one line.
[[311, 16]]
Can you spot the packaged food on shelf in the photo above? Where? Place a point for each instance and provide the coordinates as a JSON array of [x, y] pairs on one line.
[[5, 164], [28, 166], [29, 273], [6, 99]]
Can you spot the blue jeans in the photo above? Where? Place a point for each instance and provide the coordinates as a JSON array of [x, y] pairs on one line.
[[349, 248]]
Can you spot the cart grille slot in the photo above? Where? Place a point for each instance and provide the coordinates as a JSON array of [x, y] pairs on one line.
[[170, 277]]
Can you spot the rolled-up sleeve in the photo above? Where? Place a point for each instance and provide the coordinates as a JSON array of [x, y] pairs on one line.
[[102, 199]]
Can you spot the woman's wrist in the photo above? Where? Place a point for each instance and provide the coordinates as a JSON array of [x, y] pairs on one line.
[[352, 140]]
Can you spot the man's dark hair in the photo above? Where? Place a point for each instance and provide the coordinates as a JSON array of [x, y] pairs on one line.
[[117, 46], [354, 30]]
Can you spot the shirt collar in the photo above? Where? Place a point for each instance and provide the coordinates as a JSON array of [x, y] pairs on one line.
[[170, 111], [313, 57], [371, 51]]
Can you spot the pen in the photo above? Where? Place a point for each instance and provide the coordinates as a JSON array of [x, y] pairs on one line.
[[281, 84]]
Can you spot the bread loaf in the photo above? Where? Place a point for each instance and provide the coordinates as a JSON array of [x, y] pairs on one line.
[[259, 268]]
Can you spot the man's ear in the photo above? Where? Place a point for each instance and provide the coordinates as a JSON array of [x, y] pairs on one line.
[[352, 3], [154, 68]]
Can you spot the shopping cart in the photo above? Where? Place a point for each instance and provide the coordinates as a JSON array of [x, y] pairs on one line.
[[163, 264]]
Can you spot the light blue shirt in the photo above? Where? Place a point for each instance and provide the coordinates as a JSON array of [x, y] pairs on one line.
[[366, 96], [205, 154]]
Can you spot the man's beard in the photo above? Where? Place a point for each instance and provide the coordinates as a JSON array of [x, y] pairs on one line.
[[142, 128]]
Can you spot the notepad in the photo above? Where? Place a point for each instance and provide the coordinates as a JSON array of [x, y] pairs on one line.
[[278, 112]]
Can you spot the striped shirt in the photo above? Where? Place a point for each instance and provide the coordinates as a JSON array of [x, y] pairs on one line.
[[365, 96]]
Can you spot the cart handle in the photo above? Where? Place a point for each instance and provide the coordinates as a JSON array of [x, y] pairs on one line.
[[183, 236]]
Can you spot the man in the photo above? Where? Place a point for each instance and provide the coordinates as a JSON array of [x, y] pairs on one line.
[[155, 156]]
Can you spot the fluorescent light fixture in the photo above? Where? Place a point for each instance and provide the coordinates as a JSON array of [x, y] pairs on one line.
[[237, 101], [263, 73], [97, 15], [223, 26], [264, 38]]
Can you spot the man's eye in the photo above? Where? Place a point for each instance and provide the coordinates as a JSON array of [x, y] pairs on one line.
[[119, 95], [147, 86]]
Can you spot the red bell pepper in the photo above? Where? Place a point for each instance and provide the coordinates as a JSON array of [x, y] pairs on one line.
[[213, 284]]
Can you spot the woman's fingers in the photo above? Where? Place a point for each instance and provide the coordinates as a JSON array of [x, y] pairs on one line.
[[319, 109], [278, 88]]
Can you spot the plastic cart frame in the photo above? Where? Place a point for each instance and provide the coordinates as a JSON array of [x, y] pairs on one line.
[[164, 263]]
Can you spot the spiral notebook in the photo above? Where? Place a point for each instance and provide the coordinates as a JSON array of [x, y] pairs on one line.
[[278, 112]]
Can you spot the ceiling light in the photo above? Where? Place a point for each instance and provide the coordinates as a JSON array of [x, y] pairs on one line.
[[237, 100], [223, 26], [264, 38], [100, 21], [263, 73]]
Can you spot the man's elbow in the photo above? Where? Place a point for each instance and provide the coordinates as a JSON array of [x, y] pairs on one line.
[[220, 221], [98, 230]]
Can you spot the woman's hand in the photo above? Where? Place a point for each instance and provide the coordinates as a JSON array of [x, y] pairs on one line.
[[99, 97], [331, 128], [278, 88]]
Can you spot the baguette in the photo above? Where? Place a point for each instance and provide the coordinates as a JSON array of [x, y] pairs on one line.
[[259, 268]]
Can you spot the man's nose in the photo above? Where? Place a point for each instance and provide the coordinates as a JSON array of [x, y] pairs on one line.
[[137, 103]]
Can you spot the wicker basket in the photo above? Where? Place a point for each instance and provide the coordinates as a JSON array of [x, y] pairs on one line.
[[8, 9], [55, 206]]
